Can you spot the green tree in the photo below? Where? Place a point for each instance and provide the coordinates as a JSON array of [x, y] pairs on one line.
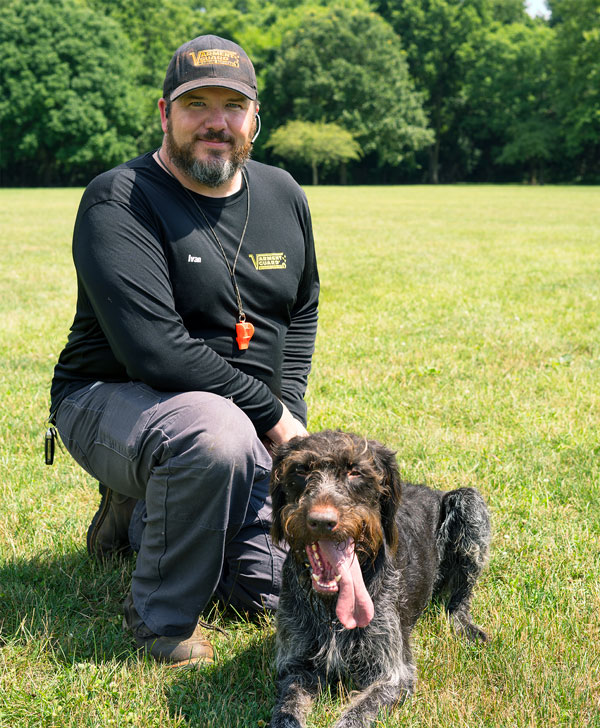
[[259, 25], [434, 33], [508, 11], [576, 70], [68, 107], [315, 144], [347, 67], [509, 86], [154, 29]]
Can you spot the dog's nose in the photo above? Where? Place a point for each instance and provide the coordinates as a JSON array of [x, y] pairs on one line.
[[322, 519]]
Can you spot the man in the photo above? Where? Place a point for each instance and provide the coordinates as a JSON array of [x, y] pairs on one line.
[[190, 351]]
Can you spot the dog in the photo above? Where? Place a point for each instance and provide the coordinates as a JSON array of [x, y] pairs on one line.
[[367, 553]]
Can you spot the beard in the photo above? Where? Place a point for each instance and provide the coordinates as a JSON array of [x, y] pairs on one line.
[[214, 171]]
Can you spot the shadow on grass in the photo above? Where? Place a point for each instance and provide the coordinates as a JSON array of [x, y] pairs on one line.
[[66, 602], [238, 691], [68, 606]]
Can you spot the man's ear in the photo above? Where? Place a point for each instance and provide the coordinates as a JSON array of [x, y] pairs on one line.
[[162, 107]]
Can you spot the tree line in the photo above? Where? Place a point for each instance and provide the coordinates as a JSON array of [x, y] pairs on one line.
[[359, 91]]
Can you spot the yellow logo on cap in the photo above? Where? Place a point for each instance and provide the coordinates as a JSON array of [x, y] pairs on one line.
[[217, 57]]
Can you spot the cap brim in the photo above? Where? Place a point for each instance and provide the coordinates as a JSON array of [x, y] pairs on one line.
[[242, 88]]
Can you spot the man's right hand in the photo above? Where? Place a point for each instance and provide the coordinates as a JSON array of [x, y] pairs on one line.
[[287, 427]]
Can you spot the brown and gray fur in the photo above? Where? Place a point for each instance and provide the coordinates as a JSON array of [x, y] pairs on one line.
[[414, 543]]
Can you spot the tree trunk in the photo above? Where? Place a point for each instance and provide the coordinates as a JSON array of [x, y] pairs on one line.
[[434, 162], [434, 149], [315, 175], [533, 177]]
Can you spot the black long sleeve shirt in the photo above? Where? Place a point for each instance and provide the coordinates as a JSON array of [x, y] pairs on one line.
[[156, 302]]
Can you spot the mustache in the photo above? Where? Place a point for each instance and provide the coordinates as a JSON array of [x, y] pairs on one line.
[[215, 136]]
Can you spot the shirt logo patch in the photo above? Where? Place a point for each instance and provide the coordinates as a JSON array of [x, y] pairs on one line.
[[194, 259], [269, 261]]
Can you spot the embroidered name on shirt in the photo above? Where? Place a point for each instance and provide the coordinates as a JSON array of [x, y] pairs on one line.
[[269, 261], [194, 259]]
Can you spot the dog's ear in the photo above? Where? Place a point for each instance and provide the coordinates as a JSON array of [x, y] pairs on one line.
[[277, 491], [385, 461]]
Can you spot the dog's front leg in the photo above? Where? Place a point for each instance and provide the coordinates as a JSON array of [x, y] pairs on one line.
[[296, 695], [387, 692]]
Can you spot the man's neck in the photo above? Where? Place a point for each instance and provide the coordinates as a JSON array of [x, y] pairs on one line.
[[225, 190]]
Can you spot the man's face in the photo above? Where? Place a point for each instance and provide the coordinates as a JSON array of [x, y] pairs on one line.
[[209, 132]]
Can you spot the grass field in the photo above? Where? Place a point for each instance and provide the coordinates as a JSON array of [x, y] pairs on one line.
[[460, 325]]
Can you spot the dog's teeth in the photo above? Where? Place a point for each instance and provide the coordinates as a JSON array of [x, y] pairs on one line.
[[338, 577], [315, 577], [314, 547]]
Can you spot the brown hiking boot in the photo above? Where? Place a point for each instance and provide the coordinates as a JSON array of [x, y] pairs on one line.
[[185, 650], [108, 534]]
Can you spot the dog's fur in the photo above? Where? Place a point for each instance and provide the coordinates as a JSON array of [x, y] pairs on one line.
[[413, 543]]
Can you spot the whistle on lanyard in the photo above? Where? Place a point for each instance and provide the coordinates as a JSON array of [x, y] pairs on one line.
[[244, 331]]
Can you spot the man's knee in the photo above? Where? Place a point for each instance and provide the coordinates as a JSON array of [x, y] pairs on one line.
[[208, 430], [209, 461]]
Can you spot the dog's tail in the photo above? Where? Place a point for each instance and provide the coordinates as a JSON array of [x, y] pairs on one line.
[[463, 541]]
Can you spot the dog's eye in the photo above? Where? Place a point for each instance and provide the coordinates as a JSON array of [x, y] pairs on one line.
[[299, 476]]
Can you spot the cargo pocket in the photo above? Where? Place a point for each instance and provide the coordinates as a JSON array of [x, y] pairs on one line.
[[125, 418]]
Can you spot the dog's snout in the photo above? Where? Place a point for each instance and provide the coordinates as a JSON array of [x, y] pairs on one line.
[[322, 518]]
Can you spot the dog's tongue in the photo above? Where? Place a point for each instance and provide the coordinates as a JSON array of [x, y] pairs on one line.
[[354, 606]]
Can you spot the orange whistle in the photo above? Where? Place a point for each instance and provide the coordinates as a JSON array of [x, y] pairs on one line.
[[244, 331]]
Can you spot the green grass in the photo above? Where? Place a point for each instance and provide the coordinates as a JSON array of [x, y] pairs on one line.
[[460, 325]]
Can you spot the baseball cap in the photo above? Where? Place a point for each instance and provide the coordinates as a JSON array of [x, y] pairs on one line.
[[209, 61]]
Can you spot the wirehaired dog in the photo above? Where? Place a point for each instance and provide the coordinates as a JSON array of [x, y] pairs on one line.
[[367, 553]]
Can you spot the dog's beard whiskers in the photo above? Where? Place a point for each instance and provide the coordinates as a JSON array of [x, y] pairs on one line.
[[353, 526]]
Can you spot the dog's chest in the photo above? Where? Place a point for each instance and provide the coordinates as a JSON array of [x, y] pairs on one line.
[[309, 632], [344, 653]]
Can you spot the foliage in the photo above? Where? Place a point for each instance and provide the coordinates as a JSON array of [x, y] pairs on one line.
[[314, 143], [68, 88], [508, 11], [434, 33], [509, 87], [259, 25], [155, 29], [348, 68], [577, 72], [465, 89]]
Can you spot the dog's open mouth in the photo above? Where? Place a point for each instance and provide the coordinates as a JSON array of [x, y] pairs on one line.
[[335, 568]]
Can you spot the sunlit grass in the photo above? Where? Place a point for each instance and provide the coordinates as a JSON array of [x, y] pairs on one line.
[[460, 326]]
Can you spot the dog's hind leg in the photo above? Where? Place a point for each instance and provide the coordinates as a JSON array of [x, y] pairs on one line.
[[463, 541], [296, 695]]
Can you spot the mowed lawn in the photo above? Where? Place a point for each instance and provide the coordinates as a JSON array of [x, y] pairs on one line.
[[459, 325]]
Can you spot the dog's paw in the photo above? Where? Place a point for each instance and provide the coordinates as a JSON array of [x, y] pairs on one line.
[[469, 630]]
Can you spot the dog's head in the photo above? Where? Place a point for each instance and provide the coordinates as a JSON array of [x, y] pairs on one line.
[[335, 485], [335, 497]]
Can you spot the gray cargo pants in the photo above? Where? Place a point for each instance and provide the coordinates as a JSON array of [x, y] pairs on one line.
[[197, 461]]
